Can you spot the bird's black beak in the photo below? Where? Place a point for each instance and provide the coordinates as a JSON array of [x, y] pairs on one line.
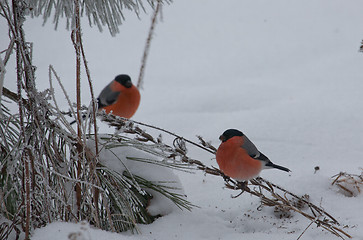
[[222, 138]]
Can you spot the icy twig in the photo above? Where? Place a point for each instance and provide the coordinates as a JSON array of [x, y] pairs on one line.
[[119, 123], [64, 121], [148, 44], [3, 62], [2, 75], [207, 144], [14, 97], [94, 102], [7, 228], [26, 156], [93, 160]]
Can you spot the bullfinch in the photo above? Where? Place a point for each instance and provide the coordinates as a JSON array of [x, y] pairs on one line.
[[120, 97], [239, 158]]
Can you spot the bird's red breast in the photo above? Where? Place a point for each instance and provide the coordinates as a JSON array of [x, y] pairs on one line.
[[127, 101], [235, 162]]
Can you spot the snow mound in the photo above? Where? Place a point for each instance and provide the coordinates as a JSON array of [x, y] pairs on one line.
[[125, 158]]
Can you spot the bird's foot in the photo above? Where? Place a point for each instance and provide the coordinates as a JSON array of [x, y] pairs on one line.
[[243, 187], [236, 196]]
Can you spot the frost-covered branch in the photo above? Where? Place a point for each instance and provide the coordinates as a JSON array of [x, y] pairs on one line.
[[148, 44], [3, 62], [101, 13], [119, 123], [2, 75]]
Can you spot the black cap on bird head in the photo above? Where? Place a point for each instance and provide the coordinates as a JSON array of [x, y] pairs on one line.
[[230, 133], [124, 80]]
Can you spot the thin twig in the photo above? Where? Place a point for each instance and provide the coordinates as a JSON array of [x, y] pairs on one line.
[[119, 122], [311, 222], [9, 50], [148, 44], [94, 110], [25, 156], [76, 35], [2, 75], [3, 64], [65, 122]]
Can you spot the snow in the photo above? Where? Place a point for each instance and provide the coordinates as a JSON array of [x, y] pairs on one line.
[[286, 73], [125, 158]]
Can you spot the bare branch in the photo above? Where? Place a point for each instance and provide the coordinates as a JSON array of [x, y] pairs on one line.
[[148, 44]]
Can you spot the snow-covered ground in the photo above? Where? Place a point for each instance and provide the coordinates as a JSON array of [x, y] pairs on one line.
[[286, 73]]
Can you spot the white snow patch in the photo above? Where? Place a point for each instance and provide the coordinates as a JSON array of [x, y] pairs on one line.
[[125, 158]]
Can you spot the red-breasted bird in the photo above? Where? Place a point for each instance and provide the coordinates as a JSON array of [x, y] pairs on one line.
[[120, 97], [239, 158]]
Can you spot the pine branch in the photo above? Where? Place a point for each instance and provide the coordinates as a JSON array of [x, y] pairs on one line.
[[109, 13], [40, 169]]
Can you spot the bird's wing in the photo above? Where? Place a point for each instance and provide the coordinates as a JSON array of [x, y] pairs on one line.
[[250, 147], [254, 153], [107, 97], [263, 158]]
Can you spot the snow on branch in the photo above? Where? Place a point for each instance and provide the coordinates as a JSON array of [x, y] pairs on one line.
[[101, 13]]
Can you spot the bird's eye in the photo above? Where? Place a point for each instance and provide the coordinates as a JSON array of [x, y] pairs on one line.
[[127, 84], [222, 138]]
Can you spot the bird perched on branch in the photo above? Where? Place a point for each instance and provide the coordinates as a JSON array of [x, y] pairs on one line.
[[120, 97], [239, 158]]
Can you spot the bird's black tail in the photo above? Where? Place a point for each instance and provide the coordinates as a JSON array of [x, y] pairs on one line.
[[270, 164]]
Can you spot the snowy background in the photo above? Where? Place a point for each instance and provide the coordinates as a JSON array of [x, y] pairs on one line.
[[286, 73]]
